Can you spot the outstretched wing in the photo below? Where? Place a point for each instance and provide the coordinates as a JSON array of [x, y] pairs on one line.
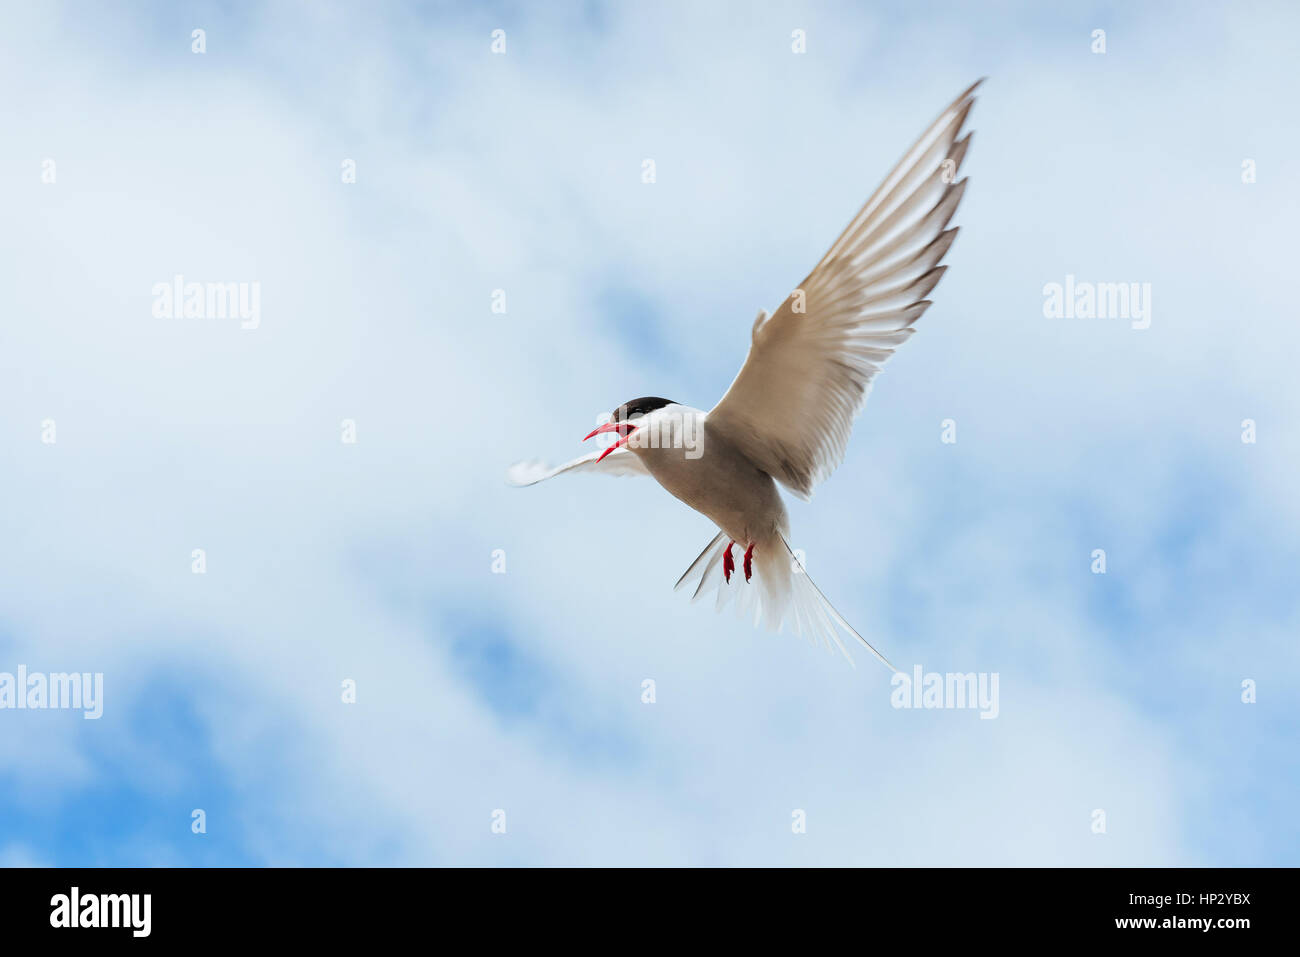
[[619, 462], [810, 366]]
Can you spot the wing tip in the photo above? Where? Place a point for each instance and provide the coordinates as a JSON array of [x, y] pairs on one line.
[[965, 102], [970, 90], [524, 473]]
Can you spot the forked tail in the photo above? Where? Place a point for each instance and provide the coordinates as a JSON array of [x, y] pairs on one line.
[[811, 606], [784, 592]]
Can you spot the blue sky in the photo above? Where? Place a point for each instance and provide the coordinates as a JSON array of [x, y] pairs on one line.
[[522, 691]]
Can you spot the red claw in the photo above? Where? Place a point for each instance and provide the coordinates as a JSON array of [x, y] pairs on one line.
[[728, 563], [749, 559]]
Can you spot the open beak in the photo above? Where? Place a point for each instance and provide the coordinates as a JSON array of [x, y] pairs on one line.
[[624, 429]]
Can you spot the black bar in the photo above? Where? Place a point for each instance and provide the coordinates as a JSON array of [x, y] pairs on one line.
[[333, 905]]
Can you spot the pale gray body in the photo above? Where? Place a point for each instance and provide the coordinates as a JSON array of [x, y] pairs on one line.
[[715, 478]]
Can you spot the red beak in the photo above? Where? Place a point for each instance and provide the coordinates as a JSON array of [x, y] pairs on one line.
[[622, 428]]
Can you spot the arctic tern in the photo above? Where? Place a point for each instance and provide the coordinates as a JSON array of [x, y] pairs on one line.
[[787, 416]]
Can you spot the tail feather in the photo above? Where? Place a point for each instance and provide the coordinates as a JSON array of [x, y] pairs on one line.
[[784, 592], [808, 594], [700, 567]]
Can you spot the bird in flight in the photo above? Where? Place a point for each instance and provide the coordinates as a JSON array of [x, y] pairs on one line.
[[787, 416]]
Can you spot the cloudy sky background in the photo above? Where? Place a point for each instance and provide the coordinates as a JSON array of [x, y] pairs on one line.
[[521, 691]]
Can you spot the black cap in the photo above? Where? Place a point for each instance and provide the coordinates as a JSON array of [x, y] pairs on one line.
[[642, 406]]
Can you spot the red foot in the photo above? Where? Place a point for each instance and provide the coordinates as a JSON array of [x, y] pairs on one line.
[[728, 563], [749, 558]]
